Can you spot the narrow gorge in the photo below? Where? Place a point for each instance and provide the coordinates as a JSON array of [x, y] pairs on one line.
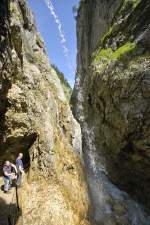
[[87, 162]]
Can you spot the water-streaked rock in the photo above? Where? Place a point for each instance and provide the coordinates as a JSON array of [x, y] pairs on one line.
[[36, 119]]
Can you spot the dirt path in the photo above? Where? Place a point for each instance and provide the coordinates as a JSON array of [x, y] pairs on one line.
[[7, 204]]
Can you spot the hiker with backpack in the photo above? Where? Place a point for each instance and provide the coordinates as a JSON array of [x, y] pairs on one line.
[[8, 175]]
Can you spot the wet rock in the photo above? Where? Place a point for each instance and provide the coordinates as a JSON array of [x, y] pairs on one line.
[[35, 118], [111, 101]]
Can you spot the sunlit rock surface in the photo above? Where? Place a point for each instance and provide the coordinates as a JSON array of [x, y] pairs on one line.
[[35, 119], [111, 100]]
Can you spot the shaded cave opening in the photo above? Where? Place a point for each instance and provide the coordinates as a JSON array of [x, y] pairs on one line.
[[10, 149]]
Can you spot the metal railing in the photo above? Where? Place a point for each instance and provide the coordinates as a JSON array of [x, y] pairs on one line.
[[14, 209]]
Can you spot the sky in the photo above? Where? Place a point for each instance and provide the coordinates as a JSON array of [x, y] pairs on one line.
[[57, 27]]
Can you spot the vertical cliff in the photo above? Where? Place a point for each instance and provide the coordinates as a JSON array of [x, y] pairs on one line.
[[111, 100], [35, 119]]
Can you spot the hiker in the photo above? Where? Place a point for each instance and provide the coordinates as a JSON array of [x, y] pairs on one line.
[[20, 168], [8, 175]]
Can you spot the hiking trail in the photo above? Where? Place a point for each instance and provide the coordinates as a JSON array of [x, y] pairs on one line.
[[8, 205]]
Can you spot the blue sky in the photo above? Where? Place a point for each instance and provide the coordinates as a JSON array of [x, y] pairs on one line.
[[49, 31]]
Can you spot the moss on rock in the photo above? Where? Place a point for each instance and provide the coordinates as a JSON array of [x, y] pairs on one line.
[[105, 56]]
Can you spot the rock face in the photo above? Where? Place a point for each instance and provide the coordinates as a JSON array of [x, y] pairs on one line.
[[111, 100], [35, 119]]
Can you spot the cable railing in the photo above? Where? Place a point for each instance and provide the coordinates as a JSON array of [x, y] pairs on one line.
[[14, 209]]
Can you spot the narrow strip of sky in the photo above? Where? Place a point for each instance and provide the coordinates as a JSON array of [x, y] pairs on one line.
[[56, 23], [61, 32]]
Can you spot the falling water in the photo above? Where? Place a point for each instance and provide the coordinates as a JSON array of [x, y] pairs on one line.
[[109, 203]]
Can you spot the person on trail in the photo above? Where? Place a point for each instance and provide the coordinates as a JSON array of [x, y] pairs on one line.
[[20, 168], [8, 175]]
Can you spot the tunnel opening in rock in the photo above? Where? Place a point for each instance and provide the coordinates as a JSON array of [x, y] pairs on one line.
[[13, 146]]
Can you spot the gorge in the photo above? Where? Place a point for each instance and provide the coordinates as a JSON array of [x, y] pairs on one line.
[[87, 162]]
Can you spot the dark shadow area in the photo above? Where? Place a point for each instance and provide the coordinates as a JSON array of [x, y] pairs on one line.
[[9, 213], [10, 149]]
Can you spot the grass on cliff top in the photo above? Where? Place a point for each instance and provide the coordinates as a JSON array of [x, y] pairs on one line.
[[108, 54]]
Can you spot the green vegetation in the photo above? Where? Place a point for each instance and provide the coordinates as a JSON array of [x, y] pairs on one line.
[[128, 47], [131, 4], [108, 54], [66, 86], [128, 5], [107, 34]]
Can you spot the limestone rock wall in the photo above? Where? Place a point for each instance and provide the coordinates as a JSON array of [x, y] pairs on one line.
[[111, 100], [35, 119]]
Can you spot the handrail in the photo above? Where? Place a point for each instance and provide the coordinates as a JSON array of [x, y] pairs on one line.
[[13, 211], [17, 199]]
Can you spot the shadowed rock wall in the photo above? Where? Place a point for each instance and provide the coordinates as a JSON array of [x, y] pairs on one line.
[[111, 100], [35, 119]]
